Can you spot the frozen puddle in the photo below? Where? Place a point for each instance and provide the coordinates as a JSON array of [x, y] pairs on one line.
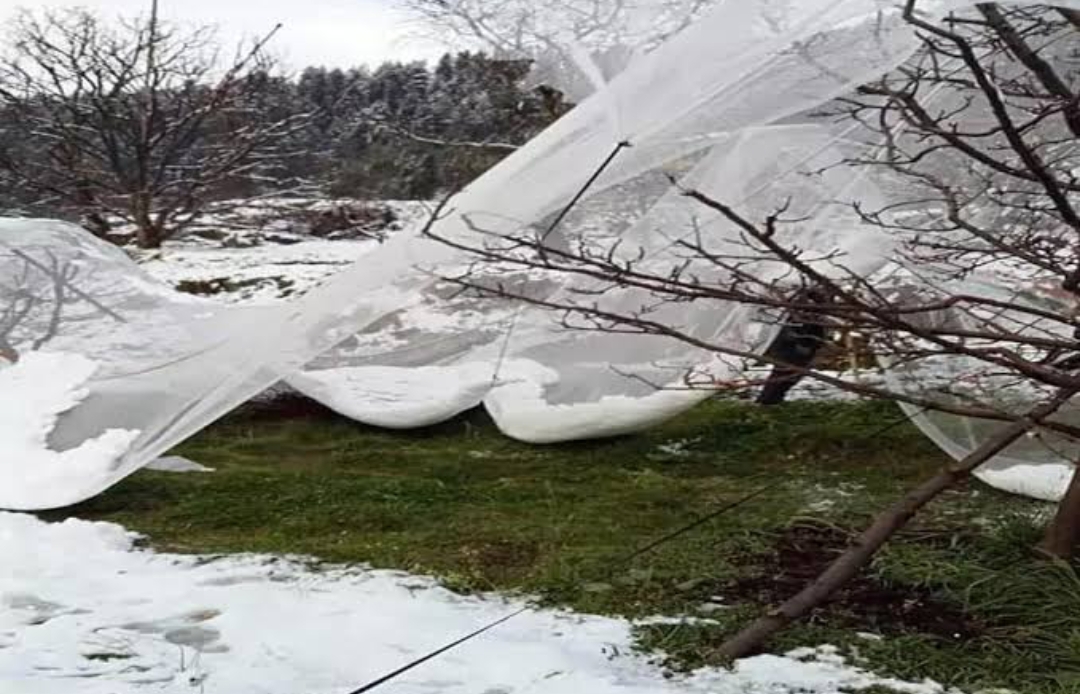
[[82, 610]]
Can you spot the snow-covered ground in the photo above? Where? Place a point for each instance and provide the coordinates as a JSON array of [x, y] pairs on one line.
[[263, 273], [82, 609], [261, 261]]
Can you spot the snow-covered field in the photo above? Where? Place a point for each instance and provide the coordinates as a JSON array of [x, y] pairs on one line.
[[252, 263], [261, 273], [83, 609]]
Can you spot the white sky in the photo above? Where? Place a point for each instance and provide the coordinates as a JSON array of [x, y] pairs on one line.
[[339, 33]]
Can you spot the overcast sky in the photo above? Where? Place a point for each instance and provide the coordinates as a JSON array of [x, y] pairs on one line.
[[327, 32]]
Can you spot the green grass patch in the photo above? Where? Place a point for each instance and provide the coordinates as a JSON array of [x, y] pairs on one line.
[[482, 512]]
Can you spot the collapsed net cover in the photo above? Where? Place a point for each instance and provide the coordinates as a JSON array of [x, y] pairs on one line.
[[113, 369]]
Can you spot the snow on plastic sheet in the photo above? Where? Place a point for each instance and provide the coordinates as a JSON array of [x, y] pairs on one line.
[[407, 397], [521, 410], [81, 609], [36, 391]]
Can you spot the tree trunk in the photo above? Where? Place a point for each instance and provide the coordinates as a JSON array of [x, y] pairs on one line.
[[96, 224], [148, 237], [7, 352], [148, 233], [863, 549], [1072, 15], [1063, 533]]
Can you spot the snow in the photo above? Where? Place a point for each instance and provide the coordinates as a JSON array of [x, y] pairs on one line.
[[175, 463], [85, 610], [1043, 481], [262, 274], [250, 268], [521, 411], [36, 391], [406, 398]]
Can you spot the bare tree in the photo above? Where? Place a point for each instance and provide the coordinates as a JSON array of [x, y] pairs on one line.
[[543, 30], [978, 316], [138, 122]]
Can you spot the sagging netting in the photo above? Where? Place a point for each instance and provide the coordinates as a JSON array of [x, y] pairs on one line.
[[113, 368]]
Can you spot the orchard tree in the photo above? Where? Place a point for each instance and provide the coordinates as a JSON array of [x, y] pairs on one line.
[[137, 122]]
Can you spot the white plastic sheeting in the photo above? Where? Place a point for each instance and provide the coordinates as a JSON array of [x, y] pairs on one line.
[[386, 342]]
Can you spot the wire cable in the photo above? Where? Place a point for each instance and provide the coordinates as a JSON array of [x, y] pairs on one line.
[[611, 567]]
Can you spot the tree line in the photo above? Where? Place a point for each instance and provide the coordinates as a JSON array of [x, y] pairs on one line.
[[140, 125]]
